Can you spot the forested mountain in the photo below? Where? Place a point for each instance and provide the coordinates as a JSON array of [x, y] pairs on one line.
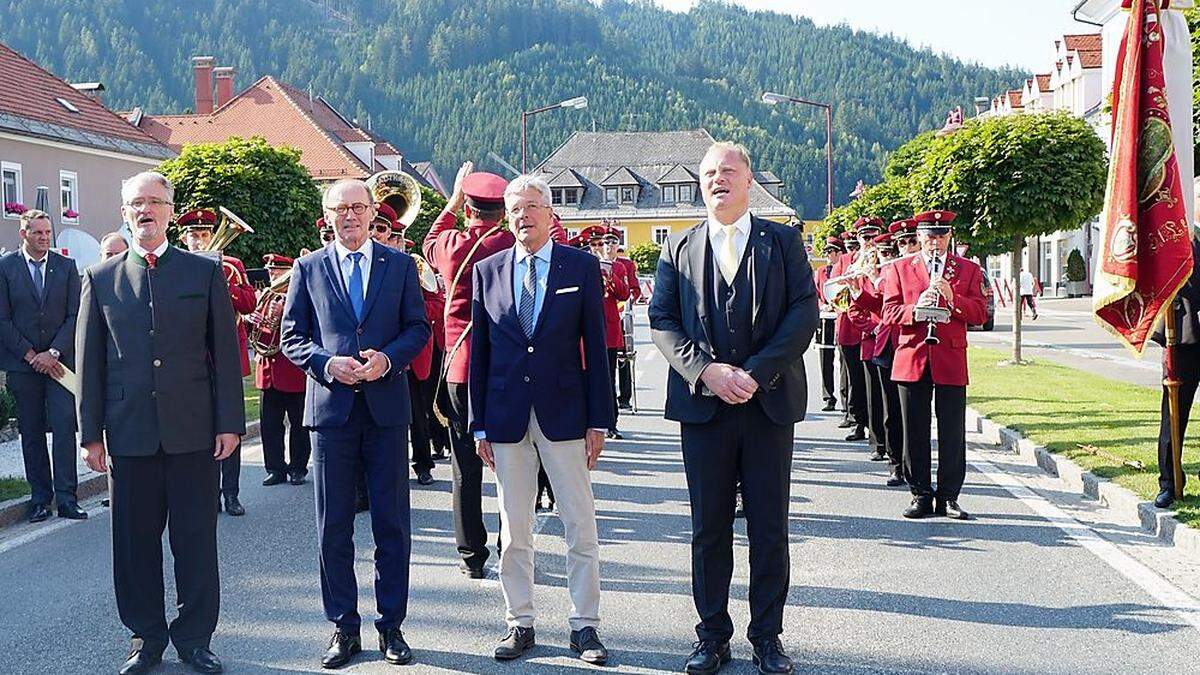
[[446, 80]]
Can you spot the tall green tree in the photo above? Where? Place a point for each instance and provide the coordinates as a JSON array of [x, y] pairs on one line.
[[264, 186], [1014, 177]]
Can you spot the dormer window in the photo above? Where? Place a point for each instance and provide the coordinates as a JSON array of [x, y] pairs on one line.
[[669, 194], [610, 195], [628, 194], [571, 196], [687, 193]]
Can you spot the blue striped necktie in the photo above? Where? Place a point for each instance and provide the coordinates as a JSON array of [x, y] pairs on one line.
[[528, 293]]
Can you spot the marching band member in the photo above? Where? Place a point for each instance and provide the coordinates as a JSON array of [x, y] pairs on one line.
[[197, 236], [625, 383], [616, 289], [281, 385], [849, 337], [453, 252], [930, 361], [887, 336], [826, 347], [864, 315]]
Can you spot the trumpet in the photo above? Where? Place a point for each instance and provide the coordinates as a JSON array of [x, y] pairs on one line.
[[842, 289]]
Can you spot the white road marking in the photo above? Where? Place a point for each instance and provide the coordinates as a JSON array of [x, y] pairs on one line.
[[34, 535], [1171, 597]]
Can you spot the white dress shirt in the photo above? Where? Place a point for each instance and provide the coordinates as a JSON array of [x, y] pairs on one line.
[[346, 267], [716, 234], [39, 270]]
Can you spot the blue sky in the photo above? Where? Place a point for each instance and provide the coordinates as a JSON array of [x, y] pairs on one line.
[[991, 32]]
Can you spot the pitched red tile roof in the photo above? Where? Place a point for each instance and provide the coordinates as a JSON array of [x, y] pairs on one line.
[[282, 115], [1083, 42], [29, 91], [1091, 58]]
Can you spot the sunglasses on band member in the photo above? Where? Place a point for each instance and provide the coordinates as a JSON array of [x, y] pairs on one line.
[[381, 228], [326, 237]]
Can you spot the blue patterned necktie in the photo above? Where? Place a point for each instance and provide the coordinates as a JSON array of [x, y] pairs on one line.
[[356, 285], [528, 293]]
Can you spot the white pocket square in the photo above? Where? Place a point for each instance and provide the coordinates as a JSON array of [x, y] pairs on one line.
[[568, 289]]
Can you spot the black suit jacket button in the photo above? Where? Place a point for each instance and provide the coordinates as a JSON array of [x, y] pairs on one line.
[[526, 378], [157, 363], [154, 394], [359, 331]]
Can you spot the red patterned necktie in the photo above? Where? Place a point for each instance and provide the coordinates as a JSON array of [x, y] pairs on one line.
[[151, 260]]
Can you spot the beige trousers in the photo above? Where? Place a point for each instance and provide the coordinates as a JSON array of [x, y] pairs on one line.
[[516, 483]]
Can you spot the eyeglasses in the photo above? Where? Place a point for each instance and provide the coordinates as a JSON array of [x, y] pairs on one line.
[[381, 228], [154, 202], [358, 208], [525, 207]]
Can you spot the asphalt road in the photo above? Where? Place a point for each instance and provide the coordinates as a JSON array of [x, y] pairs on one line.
[[1025, 588]]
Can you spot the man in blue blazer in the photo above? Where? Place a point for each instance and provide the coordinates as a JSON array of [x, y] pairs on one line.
[[353, 320], [534, 396]]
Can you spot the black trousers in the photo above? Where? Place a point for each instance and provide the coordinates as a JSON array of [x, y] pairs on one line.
[[147, 495], [422, 453], [877, 431], [1187, 369], [231, 471], [612, 377], [950, 403], [843, 382], [42, 405], [856, 374], [741, 441], [467, 482], [893, 420], [828, 353], [625, 382], [276, 405]]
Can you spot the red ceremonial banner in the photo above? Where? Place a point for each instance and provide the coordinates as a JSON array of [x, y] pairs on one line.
[[1146, 253]]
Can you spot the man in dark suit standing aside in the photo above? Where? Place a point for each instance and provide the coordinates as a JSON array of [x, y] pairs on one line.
[[39, 300], [737, 386], [353, 321], [540, 390], [161, 394]]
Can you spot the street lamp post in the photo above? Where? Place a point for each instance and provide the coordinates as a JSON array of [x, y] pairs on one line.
[[771, 98], [578, 103]]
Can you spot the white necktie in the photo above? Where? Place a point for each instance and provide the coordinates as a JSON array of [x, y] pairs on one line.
[[728, 257]]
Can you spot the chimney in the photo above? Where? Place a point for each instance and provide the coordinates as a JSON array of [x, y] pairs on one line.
[[202, 68], [224, 77]]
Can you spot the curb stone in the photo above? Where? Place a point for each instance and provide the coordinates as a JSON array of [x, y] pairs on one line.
[[12, 511], [1161, 523]]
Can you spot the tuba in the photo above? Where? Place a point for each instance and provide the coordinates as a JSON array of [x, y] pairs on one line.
[[399, 191], [264, 321]]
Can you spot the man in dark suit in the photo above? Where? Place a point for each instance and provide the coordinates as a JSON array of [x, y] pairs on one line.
[[39, 300], [735, 344], [161, 393], [1187, 370], [534, 396], [353, 321]]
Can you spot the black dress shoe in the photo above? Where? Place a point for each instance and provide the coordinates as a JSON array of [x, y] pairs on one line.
[[514, 643], [439, 454], [859, 434], [1165, 499], [615, 435], [342, 647], [395, 650], [140, 661], [829, 405], [472, 571], [586, 643], [274, 478], [234, 507], [707, 657], [896, 477], [71, 512], [770, 657], [951, 509], [424, 478], [878, 456], [201, 660], [297, 477], [38, 512], [846, 423], [921, 507]]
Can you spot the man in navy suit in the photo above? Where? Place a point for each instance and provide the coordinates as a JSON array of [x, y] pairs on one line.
[[39, 301], [534, 396], [353, 320]]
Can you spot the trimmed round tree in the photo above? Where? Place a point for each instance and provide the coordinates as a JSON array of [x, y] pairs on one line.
[[263, 185], [1014, 177]]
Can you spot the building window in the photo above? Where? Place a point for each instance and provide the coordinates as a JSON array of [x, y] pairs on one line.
[[669, 193], [556, 196], [687, 193], [660, 235], [68, 191], [571, 196], [627, 195], [610, 195], [572, 232], [11, 175]]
